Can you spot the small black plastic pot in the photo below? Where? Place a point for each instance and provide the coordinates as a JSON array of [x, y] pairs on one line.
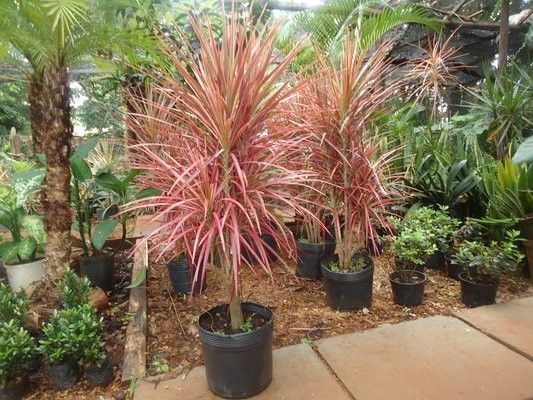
[[15, 390], [181, 277], [100, 376], [455, 269], [99, 269], [436, 261], [348, 291], [239, 365], [408, 293], [475, 293], [310, 256], [65, 375]]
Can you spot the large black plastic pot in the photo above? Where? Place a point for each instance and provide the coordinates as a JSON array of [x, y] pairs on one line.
[[436, 261], [310, 256], [99, 269], [64, 376], [408, 293], [181, 277], [239, 365], [100, 376], [348, 291], [474, 294], [15, 390], [526, 228]]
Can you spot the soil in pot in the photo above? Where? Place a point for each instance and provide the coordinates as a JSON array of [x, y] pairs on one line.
[[237, 365], [181, 277], [346, 290], [310, 257], [408, 287], [478, 290], [64, 376], [436, 261], [99, 269], [16, 389], [100, 376]]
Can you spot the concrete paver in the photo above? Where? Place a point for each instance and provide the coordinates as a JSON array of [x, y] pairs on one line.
[[431, 358], [511, 323], [299, 374]]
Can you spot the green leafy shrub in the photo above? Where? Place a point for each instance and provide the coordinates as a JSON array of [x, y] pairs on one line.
[[74, 290], [13, 306], [73, 334], [413, 246], [17, 350], [492, 260]]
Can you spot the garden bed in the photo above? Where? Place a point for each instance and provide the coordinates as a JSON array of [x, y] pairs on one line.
[[300, 310]]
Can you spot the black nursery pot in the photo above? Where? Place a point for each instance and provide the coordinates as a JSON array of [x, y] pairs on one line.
[[405, 293], [348, 291], [239, 365], [15, 390], [100, 376], [436, 261], [474, 294], [310, 256], [64, 376], [181, 278], [99, 270], [455, 269]]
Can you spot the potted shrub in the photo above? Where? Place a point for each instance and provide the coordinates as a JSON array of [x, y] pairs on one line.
[[336, 107], [17, 352], [206, 145], [73, 290], [412, 247], [439, 227], [479, 285], [21, 253], [13, 306], [59, 347]]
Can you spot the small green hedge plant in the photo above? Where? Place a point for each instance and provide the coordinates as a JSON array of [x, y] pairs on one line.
[[491, 260], [74, 290], [73, 334], [17, 350], [13, 306], [412, 247]]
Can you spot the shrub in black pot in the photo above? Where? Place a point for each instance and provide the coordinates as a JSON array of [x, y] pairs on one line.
[[182, 278], [73, 290], [17, 351], [348, 288], [408, 287], [483, 266]]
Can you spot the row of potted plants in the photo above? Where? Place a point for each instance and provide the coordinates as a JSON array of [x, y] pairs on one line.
[[71, 341]]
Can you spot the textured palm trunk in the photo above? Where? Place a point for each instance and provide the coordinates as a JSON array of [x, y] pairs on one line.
[[57, 142], [36, 102]]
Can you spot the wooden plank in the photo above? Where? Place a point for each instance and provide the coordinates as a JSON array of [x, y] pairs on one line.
[[134, 364]]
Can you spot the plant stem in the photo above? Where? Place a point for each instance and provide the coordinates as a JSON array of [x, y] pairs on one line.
[[235, 313], [77, 204]]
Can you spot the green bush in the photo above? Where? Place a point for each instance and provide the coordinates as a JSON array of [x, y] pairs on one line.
[[73, 334], [17, 350], [13, 306], [74, 290], [413, 246]]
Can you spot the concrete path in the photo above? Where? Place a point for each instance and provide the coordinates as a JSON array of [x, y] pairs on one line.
[[484, 353]]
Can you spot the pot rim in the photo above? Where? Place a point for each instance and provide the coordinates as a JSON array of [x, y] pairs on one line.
[[424, 275], [37, 259], [266, 326], [463, 278]]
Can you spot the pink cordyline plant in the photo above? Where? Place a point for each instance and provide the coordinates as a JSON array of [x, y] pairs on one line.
[[337, 107], [206, 143]]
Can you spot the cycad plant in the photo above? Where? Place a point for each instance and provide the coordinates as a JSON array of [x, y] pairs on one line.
[[205, 144], [43, 39]]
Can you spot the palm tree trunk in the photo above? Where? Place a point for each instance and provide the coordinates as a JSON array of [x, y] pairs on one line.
[[57, 143], [36, 102]]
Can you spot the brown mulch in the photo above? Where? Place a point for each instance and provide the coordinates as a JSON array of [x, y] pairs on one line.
[[115, 320], [300, 309]]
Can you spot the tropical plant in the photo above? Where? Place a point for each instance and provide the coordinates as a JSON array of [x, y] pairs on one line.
[[17, 350], [14, 306], [26, 231], [73, 290], [508, 188], [204, 145], [491, 260], [44, 38], [524, 153]]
